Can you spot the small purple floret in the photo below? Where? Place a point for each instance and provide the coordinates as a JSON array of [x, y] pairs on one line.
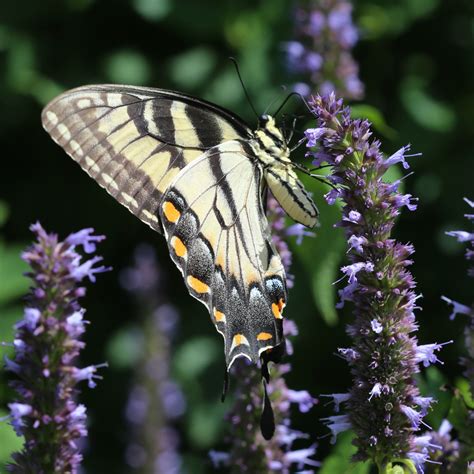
[[85, 238]]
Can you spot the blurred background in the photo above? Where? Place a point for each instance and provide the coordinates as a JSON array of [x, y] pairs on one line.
[[416, 61]]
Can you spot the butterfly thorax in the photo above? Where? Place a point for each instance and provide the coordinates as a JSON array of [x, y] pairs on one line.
[[269, 144]]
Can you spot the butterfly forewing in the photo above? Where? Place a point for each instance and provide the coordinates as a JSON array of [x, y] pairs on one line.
[[134, 141], [218, 236]]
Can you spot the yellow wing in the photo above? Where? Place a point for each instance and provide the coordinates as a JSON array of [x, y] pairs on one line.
[[133, 141]]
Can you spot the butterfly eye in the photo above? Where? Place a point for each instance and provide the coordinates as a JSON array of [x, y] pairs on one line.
[[263, 119]]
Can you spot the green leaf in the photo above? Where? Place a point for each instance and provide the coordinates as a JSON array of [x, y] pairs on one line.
[[366, 111], [458, 413], [407, 468], [420, 8], [128, 67], [194, 356], [396, 470], [465, 391], [45, 89], [224, 89], [339, 461], [424, 109], [392, 18], [204, 424], [322, 285], [125, 348], [153, 10], [21, 63], [12, 267], [10, 441], [428, 187], [193, 67]]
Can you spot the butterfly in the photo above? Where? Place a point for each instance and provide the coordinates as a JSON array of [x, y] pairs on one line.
[[196, 173]]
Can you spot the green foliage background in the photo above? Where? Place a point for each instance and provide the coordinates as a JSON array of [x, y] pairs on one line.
[[416, 59]]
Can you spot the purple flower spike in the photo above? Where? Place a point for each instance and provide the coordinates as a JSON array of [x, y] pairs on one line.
[[384, 407], [45, 412], [321, 52]]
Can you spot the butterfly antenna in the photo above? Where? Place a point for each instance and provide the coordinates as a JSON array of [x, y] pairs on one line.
[[243, 86], [283, 87], [288, 97]]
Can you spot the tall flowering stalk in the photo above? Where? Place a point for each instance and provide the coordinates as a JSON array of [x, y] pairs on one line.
[[321, 52], [466, 433], [249, 451], [383, 406], [154, 399], [47, 344]]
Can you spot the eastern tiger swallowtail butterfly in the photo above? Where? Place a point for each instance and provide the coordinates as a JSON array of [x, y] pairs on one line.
[[196, 173]]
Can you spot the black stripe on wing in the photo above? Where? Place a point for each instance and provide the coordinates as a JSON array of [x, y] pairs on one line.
[[213, 124]]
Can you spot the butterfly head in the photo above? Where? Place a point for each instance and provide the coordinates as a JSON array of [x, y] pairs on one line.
[[267, 122]]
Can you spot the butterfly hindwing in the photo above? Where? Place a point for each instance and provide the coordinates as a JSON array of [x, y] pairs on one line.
[[219, 238], [133, 141]]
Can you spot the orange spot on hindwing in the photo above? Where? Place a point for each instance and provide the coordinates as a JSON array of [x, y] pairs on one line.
[[238, 340], [264, 336], [220, 317], [197, 285], [178, 246], [170, 211], [277, 308]]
